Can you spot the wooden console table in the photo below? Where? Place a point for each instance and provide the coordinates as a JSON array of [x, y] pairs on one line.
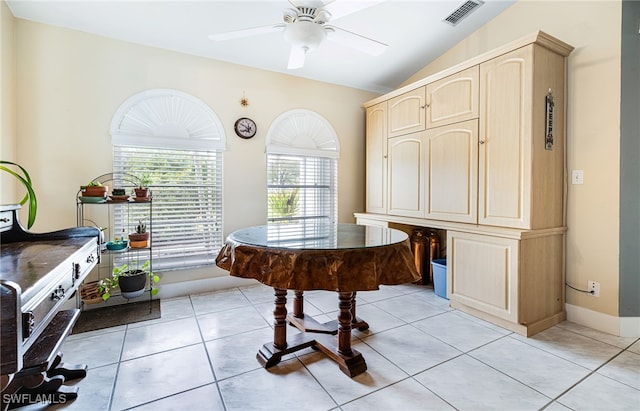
[[38, 273], [344, 258]]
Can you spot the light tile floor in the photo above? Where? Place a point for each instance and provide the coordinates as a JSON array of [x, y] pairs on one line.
[[421, 355]]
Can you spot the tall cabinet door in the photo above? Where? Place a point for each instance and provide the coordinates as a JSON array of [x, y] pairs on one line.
[[505, 124], [407, 112], [376, 158], [453, 98], [452, 156], [407, 182]]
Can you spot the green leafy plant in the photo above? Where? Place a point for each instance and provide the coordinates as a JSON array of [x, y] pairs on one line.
[[141, 228], [30, 196], [145, 181], [283, 203], [106, 285]]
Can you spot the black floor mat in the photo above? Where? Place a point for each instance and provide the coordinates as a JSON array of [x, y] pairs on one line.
[[113, 316]]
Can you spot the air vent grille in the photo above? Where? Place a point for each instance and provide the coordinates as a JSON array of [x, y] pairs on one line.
[[463, 11]]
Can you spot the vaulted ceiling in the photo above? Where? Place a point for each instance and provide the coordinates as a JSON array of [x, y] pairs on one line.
[[413, 31]]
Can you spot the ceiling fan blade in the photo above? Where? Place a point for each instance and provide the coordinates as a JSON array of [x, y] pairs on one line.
[[310, 3], [344, 8], [296, 58], [355, 41], [254, 31]]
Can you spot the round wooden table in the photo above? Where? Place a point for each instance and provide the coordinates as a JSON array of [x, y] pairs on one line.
[[344, 258]]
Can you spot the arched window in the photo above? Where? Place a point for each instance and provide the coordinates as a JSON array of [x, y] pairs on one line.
[[175, 140], [302, 170]]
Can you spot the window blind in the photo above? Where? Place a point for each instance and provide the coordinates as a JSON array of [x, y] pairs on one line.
[[302, 192], [186, 189]]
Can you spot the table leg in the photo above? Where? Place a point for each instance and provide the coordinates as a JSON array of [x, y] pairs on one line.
[[356, 322], [344, 322], [350, 361], [298, 304], [279, 319], [271, 353]]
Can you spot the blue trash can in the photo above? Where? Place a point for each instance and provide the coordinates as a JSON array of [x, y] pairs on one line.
[[440, 277]]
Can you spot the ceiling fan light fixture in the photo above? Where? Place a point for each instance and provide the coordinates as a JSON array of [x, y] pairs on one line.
[[305, 34]]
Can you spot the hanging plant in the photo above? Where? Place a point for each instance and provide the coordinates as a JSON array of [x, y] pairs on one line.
[[30, 196]]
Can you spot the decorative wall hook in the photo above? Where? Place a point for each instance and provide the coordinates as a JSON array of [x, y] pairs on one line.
[[244, 101]]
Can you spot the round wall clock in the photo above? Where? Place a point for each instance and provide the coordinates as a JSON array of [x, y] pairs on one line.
[[245, 127]]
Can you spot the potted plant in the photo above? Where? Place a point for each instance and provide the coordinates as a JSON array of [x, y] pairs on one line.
[[142, 191], [94, 189], [139, 239], [30, 196], [130, 281]]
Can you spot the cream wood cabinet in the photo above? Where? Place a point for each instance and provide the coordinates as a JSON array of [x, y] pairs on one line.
[[407, 113], [452, 170], [478, 150], [521, 184], [406, 174], [453, 98], [512, 280], [376, 158], [445, 101]]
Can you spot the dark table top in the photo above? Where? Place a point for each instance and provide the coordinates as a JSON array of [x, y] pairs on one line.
[[28, 263], [342, 257], [318, 236]]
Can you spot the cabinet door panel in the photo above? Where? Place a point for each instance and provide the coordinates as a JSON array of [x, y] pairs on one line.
[[453, 99], [407, 113], [406, 175], [376, 158], [504, 157], [483, 273], [452, 155]]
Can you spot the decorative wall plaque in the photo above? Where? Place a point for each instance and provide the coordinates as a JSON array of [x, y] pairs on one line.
[[548, 140]]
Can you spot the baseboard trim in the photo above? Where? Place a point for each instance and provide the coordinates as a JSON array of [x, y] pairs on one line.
[[204, 285], [620, 326]]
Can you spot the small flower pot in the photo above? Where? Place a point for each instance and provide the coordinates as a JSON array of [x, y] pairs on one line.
[[95, 191], [132, 283], [142, 192], [139, 240]]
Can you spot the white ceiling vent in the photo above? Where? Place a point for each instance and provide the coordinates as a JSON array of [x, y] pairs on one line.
[[463, 11]]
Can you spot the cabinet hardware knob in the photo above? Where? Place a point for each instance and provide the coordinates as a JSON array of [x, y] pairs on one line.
[[481, 141], [57, 294]]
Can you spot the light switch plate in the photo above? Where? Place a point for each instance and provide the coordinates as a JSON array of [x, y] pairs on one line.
[[577, 177]]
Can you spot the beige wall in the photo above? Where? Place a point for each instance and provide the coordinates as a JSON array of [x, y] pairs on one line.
[[8, 186], [69, 84], [593, 127]]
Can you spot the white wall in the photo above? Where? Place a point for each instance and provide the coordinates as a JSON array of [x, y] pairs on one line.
[[69, 84]]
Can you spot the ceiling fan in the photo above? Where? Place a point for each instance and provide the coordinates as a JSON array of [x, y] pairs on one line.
[[305, 28]]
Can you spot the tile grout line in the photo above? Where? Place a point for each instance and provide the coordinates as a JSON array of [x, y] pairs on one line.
[[590, 374], [204, 346], [115, 379]]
